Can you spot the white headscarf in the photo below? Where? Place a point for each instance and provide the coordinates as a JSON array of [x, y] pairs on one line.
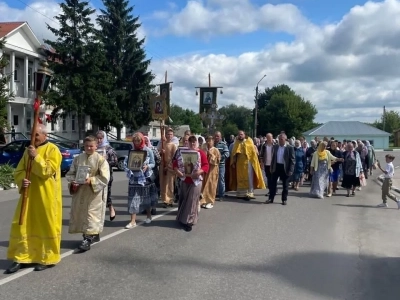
[[105, 141]]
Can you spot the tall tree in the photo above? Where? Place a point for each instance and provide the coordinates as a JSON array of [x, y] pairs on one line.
[[5, 95], [78, 76], [127, 61], [236, 118], [283, 109], [389, 121]]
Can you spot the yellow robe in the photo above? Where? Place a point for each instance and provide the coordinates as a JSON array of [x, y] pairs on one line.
[[243, 154], [167, 179], [211, 181], [88, 206], [38, 240]]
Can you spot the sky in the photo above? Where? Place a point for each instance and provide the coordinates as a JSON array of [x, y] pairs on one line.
[[342, 55]]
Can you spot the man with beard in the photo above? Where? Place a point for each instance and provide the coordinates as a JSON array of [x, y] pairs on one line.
[[245, 171]]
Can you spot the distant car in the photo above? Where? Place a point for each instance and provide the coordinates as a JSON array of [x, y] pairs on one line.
[[13, 152], [122, 149]]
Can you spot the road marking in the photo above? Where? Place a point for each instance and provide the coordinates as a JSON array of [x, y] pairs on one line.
[[24, 272]]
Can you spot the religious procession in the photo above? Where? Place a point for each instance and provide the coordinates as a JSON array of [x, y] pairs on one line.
[[191, 172]]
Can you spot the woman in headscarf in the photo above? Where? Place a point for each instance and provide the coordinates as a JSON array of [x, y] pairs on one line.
[[299, 166], [104, 148], [352, 170], [188, 207], [201, 142], [156, 171], [321, 166], [371, 156], [142, 189]]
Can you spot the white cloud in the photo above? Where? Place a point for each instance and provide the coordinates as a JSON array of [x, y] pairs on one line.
[[349, 70]]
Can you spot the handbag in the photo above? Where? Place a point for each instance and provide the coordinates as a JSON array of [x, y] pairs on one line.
[[73, 188], [363, 181]]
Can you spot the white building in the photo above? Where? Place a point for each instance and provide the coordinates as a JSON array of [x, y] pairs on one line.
[[25, 52]]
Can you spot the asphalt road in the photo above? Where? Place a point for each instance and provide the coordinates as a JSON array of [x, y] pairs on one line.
[[336, 248]]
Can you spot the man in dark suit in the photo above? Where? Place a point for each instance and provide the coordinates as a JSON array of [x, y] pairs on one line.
[[282, 166]]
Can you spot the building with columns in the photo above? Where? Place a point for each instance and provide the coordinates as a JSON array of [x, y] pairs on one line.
[[25, 52]]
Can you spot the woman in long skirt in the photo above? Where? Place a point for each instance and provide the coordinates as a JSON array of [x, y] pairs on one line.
[[142, 188], [188, 212], [352, 170], [321, 165]]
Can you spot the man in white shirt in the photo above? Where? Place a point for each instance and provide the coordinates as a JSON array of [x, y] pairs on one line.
[[387, 181], [266, 158]]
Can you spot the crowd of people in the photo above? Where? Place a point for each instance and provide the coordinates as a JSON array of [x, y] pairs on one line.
[[193, 173]]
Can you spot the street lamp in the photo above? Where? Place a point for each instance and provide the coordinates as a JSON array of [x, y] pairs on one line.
[[256, 107]]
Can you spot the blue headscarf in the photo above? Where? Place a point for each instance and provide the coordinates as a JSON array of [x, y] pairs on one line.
[[105, 141]]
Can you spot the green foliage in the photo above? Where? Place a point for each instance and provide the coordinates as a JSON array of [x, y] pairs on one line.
[[283, 109], [6, 176], [126, 60], [5, 94], [81, 84], [182, 116], [236, 118], [391, 119]]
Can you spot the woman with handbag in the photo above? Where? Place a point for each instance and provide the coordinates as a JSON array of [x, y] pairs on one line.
[[142, 190]]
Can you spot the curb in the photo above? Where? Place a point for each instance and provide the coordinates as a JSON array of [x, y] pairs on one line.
[[380, 179], [382, 150]]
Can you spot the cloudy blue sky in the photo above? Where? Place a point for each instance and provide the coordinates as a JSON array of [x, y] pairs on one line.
[[342, 55]]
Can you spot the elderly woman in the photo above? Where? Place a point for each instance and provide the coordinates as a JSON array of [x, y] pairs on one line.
[[363, 151], [142, 189], [104, 147], [188, 207], [321, 167], [300, 165], [371, 156], [352, 170]]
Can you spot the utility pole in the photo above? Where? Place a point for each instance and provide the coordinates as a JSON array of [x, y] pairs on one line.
[[384, 118], [256, 107]]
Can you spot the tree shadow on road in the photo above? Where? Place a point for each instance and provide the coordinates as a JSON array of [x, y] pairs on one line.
[[330, 275], [166, 224], [363, 206]]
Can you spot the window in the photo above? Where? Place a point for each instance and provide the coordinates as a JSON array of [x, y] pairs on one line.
[[16, 71], [15, 120], [13, 148], [28, 121], [73, 123], [64, 124], [154, 131], [30, 78]]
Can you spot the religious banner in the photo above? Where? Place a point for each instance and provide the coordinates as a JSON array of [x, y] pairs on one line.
[[158, 107], [165, 92], [208, 97]]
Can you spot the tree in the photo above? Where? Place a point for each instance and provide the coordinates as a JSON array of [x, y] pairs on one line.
[[389, 121], [285, 110], [5, 95], [78, 77], [236, 118], [180, 116], [127, 62]]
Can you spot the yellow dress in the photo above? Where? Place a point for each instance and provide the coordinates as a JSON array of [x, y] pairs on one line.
[[210, 181], [247, 175], [38, 239], [88, 206]]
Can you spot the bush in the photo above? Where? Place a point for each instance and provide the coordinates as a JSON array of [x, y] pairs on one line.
[[6, 176]]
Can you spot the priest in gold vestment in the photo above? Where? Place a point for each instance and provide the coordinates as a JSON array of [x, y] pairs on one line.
[[245, 170], [37, 240], [210, 182], [167, 150], [89, 200]]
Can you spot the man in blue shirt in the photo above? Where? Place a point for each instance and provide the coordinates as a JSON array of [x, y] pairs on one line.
[[224, 151]]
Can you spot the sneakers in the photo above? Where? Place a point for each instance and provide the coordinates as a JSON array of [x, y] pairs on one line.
[[147, 221], [130, 225], [383, 205], [209, 205]]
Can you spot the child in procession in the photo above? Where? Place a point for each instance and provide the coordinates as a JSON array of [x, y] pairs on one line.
[[387, 181], [89, 197]]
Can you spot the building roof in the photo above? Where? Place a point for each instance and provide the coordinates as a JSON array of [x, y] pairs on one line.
[[345, 128], [8, 27]]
